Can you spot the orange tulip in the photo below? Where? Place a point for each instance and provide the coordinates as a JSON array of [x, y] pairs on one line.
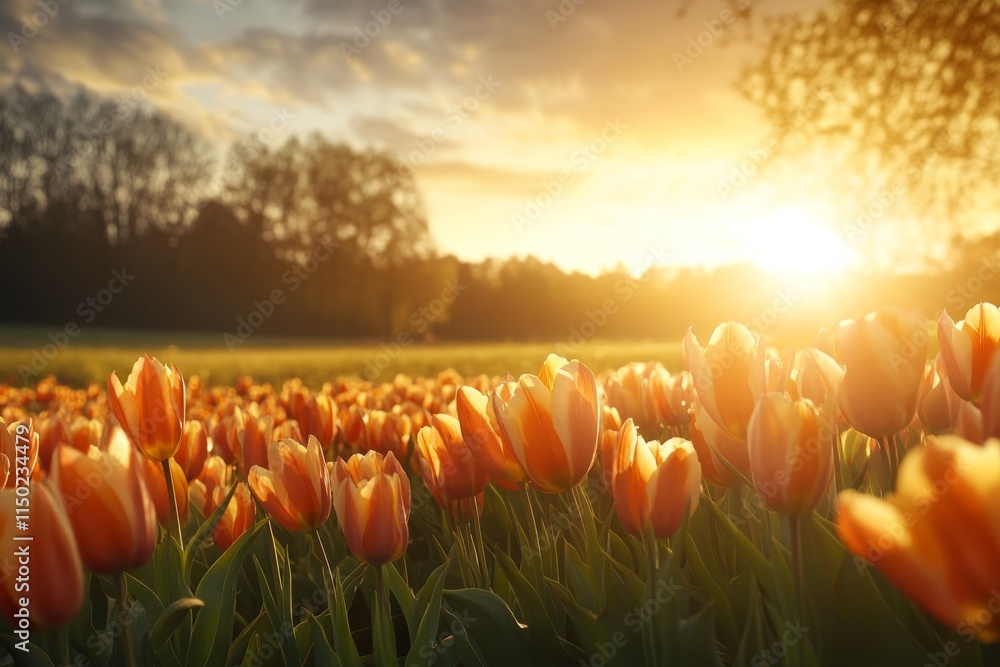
[[816, 376], [372, 500], [938, 536], [712, 469], [321, 418], [287, 430], [791, 452], [884, 354], [553, 428], [479, 430], [215, 472], [150, 407], [193, 450], [107, 503], [253, 435], [722, 446], [52, 432], [991, 400], [387, 432], [932, 401], [15, 441], [55, 569], [236, 519], [295, 486], [447, 461], [156, 483], [628, 390], [968, 347], [653, 483], [672, 395], [728, 375]]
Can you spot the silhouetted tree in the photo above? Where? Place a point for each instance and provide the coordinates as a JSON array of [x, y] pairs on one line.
[[906, 88]]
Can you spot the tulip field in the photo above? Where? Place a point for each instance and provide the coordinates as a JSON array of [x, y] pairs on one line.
[[734, 504]]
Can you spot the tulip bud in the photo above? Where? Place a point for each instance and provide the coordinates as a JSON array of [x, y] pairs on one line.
[[791, 453], [295, 487], [654, 483], [193, 450], [56, 572], [884, 355], [479, 430], [156, 483], [150, 407], [937, 537], [553, 431], [728, 374], [372, 500], [107, 504], [968, 347], [447, 462]]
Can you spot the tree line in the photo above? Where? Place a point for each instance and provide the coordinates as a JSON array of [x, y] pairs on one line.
[[106, 219]]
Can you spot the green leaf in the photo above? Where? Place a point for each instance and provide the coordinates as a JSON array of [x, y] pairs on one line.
[[164, 653], [278, 604], [33, 657], [323, 655], [203, 532], [540, 625], [250, 659], [491, 627], [171, 617], [343, 642], [213, 627], [427, 608], [404, 596]]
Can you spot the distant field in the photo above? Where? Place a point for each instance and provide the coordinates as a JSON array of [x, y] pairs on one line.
[[94, 353]]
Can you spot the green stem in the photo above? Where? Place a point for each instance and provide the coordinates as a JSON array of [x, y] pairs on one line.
[[384, 636], [534, 524], [652, 567], [795, 532], [175, 517], [62, 640], [479, 543], [838, 455], [123, 619]]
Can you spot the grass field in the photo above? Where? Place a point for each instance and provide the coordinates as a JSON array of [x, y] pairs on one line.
[[94, 353]]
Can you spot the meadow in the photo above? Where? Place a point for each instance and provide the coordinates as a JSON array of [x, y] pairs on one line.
[[89, 356]]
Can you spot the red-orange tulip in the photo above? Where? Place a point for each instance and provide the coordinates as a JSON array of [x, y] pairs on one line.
[[938, 537], [884, 354], [653, 483], [109, 508], [236, 519], [479, 430], [372, 500], [295, 486], [791, 452], [150, 407], [156, 483], [193, 450], [968, 347], [553, 429], [55, 569], [446, 460], [253, 435]]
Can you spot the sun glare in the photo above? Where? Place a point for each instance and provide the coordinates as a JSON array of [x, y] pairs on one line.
[[790, 240]]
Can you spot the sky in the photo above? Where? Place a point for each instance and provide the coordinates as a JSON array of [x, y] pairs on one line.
[[587, 133]]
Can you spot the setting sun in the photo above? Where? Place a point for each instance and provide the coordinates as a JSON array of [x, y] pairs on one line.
[[789, 240]]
